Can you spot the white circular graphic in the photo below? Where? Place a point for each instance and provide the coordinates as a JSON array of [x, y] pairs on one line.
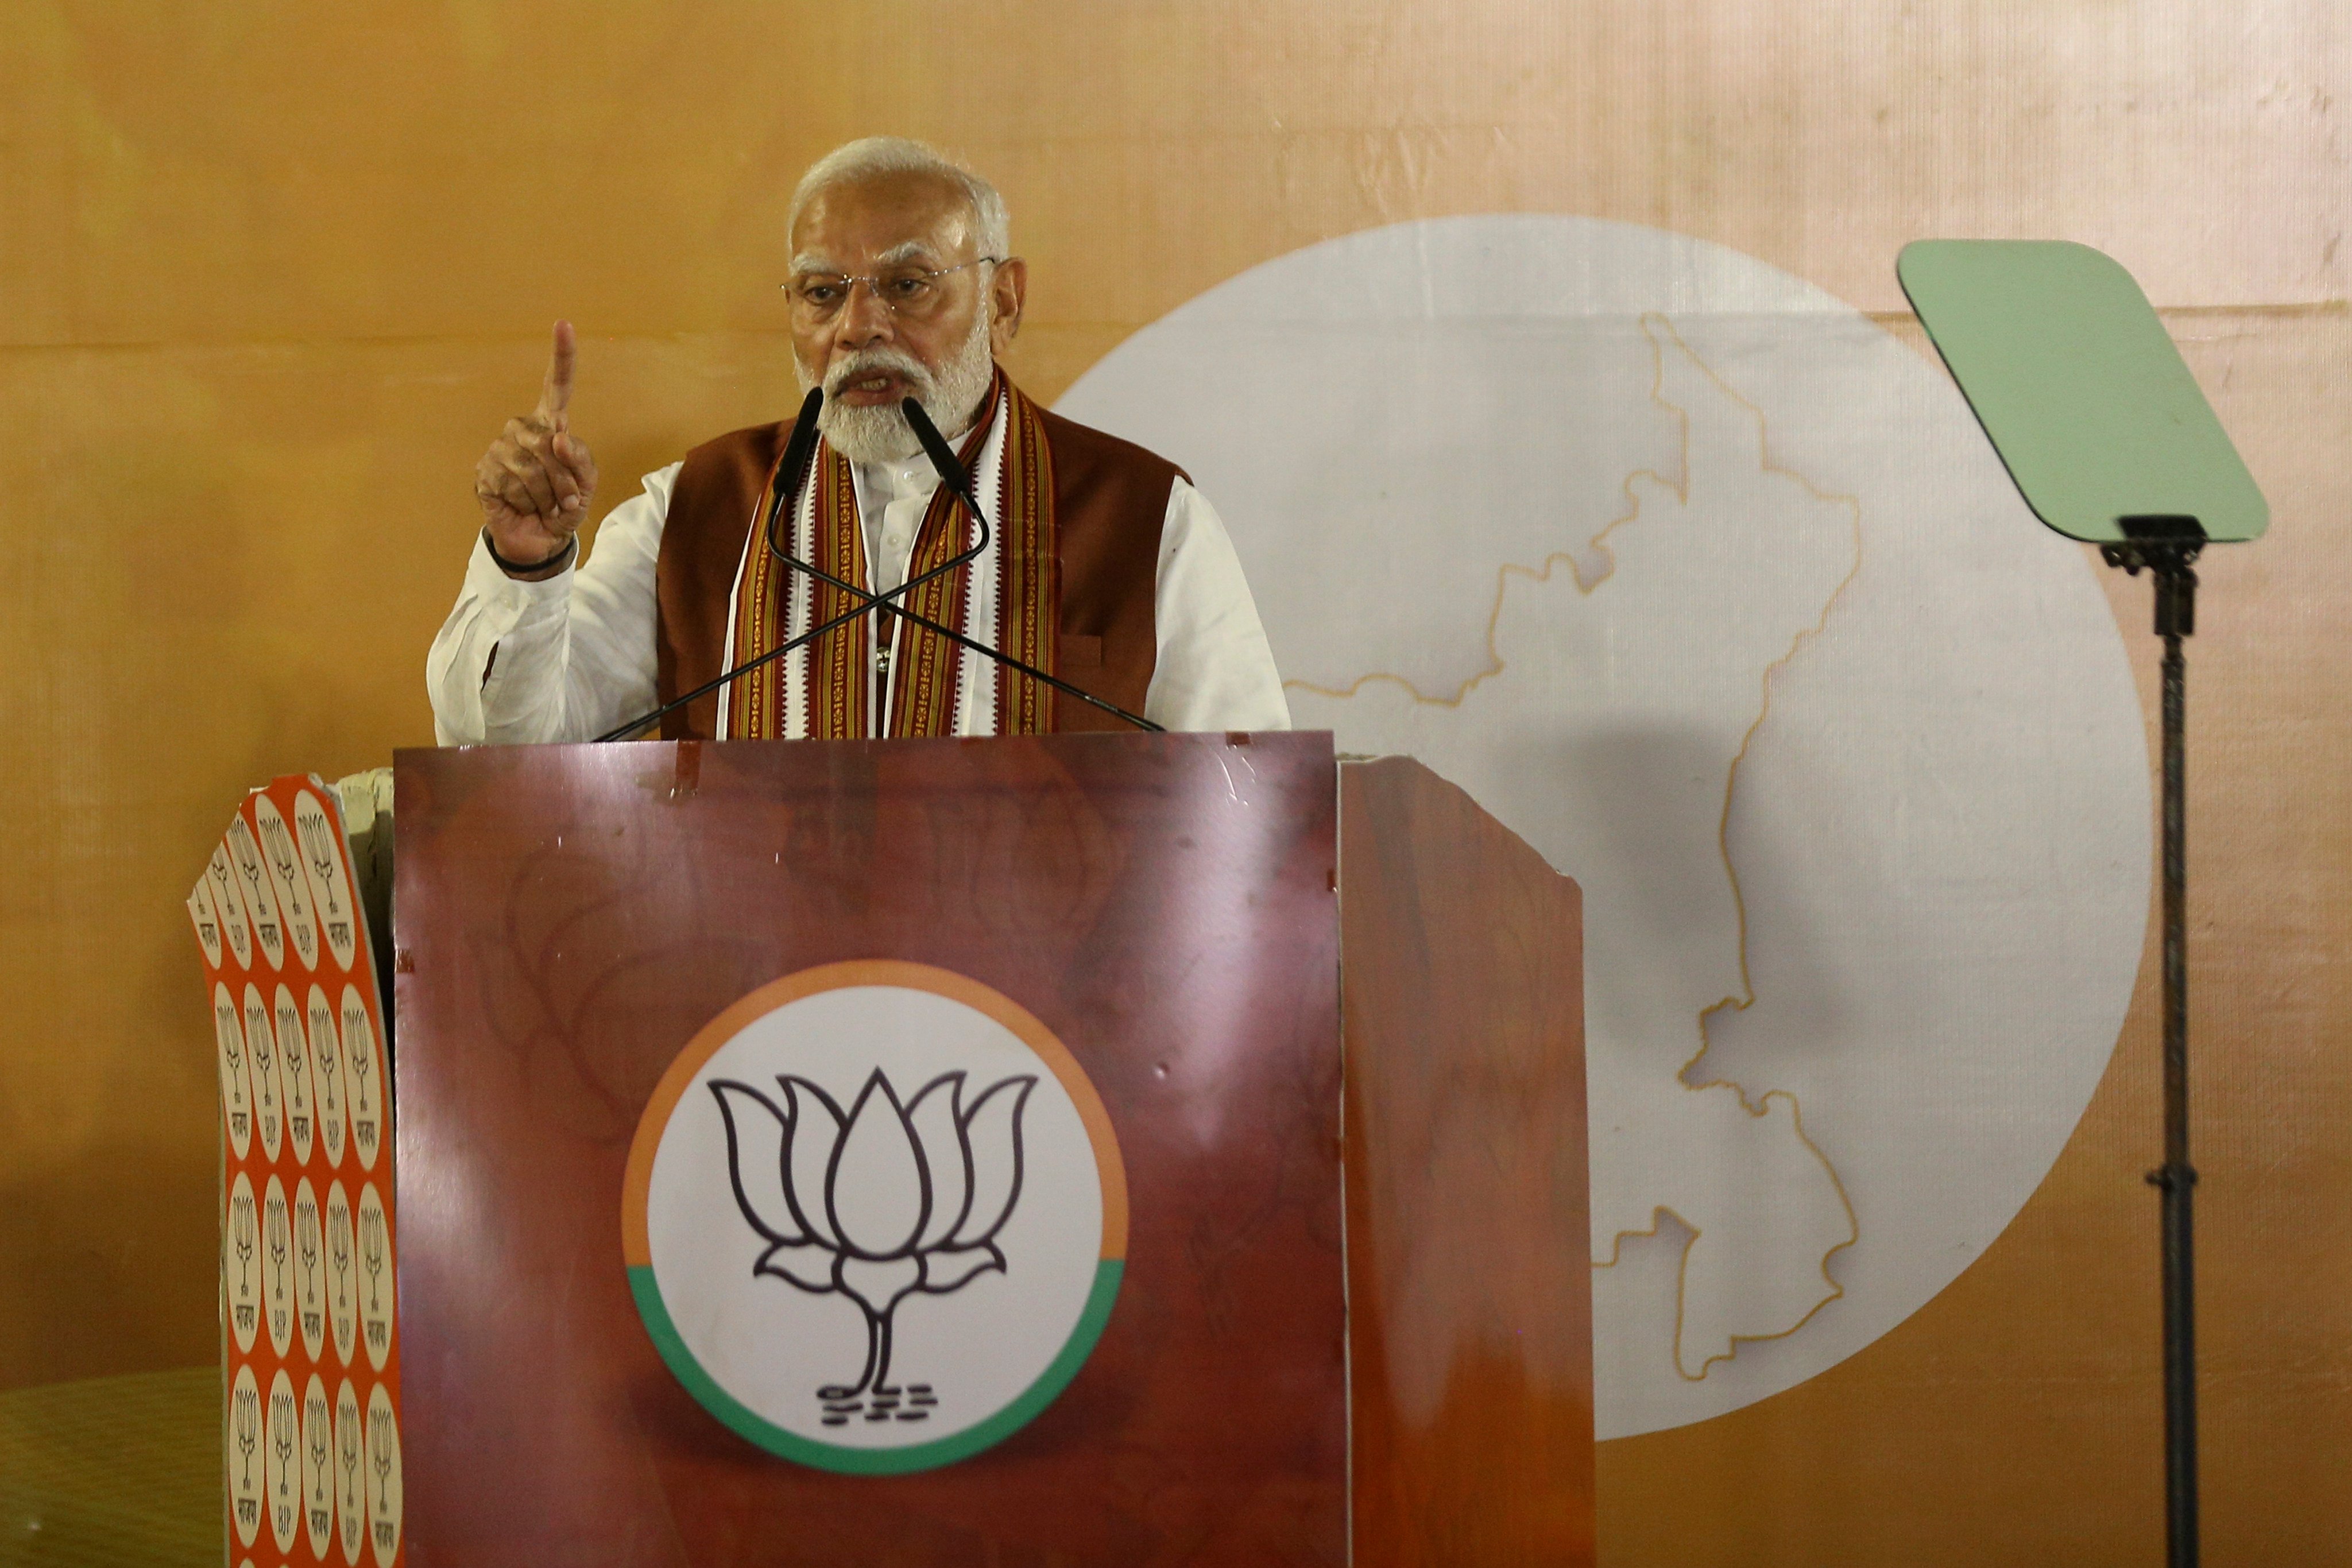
[[328, 1075], [241, 1252], [220, 878], [282, 1463], [236, 1071], [382, 1462], [321, 845], [253, 883], [876, 1221], [318, 1468], [1712, 591], [294, 1061], [377, 1277], [269, 1081], [206, 916], [311, 1264], [286, 879], [344, 1266], [351, 1474], [363, 1085], [279, 1292], [247, 1454]]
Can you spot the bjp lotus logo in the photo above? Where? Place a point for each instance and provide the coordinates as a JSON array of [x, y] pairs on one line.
[[901, 1197], [875, 1218]]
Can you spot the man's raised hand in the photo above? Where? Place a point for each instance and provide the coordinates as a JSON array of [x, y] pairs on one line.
[[537, 479]]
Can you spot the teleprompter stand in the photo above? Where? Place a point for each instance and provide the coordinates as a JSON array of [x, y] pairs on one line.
[[2093, 412], [2167, 548]]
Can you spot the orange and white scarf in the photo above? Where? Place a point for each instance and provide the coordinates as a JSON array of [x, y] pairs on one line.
[[1005, 597]]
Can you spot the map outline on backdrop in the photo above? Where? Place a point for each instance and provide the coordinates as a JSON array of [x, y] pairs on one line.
[[1422, 378]]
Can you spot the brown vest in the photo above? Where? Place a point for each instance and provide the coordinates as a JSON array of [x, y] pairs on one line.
[[1110, 499]]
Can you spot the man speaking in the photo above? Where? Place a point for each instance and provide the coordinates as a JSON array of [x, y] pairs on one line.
[[1103, 566]]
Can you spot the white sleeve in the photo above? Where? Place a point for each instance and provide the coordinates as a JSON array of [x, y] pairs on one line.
[[1215, 670], [564, 659]]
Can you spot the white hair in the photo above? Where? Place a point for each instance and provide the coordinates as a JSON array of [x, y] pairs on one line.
[[873, 155]]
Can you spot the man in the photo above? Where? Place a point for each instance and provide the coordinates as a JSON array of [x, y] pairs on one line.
[[1105, 567]]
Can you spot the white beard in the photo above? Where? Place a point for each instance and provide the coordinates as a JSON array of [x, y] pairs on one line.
[[881, 434]]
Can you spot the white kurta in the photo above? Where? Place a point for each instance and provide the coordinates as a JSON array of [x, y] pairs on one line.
[[572, 656]]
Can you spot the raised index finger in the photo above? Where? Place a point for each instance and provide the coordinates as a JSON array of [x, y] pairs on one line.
[[555, 395]]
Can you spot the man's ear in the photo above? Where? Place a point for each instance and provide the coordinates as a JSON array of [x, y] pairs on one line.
[[1008, 288]]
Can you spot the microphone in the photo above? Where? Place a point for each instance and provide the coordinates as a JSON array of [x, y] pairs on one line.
[[797, 453], [943, 457], [959, 484]]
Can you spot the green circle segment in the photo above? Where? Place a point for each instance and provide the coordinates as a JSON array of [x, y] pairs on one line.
[[754, 1428]]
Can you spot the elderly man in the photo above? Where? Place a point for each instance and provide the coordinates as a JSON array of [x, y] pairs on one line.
[[1104, 567]]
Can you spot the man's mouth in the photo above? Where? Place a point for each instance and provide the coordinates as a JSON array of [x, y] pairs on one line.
[[870, 389]]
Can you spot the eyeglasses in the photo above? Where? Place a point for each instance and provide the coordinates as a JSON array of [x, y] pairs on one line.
[[912, 292]]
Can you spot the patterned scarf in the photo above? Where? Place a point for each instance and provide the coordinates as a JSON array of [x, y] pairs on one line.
[[1005, 597]]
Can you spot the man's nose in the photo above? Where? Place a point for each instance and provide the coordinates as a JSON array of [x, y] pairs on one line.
[[865, 319]]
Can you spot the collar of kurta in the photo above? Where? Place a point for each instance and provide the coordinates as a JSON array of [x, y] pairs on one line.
[[876, 674]]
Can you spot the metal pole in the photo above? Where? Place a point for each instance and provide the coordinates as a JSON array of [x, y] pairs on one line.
[[2167, 548], [2176, 585]]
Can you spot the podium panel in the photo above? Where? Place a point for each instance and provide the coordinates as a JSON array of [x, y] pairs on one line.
[[1469, 1292], [694, 1271]]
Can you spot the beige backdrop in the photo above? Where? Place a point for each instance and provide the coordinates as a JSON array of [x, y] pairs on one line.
[[271, 276]]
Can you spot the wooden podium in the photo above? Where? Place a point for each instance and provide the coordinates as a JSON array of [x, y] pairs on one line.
[[1338, 1315]]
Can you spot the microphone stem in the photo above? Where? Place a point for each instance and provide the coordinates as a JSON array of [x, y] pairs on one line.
[[884, 603], [778, 652], [874, 602]]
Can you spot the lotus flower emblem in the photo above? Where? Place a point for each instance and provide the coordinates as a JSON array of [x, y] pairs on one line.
[[897, 1196]]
